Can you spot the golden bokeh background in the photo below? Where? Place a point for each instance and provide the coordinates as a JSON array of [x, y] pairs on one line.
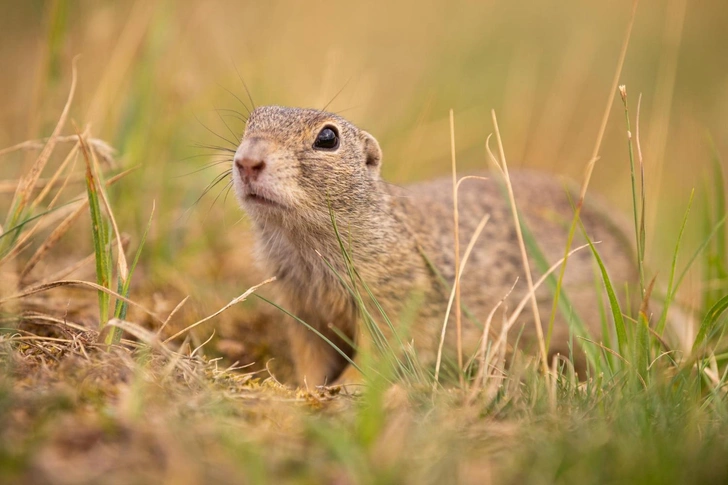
[[153, 74]]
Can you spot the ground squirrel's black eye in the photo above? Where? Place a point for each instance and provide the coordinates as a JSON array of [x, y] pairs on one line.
[[327, 139]]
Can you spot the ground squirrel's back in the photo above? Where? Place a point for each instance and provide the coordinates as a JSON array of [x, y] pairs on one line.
[[495, 263], [295, 167]]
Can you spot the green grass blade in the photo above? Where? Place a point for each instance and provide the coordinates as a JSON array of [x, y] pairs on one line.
[[610, 361], [716, 273], [562, 303], [720, 202], [635, 206], [380, 340], [99, 234], [314, 330], [706, 241], [613, 301], [708, 325], [662, 322], [14, 232], [124, 287], [641, 349]]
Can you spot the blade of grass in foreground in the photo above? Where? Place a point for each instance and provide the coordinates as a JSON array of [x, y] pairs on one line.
[[502, 167], [100, 236], [564, 304], [408, 369], [378, 338], [328, 341], [124, 286], [353, 289], [635, 206], [718, 226], [662, 322], [613, 301], [28, 182], [716, 271], [594, 158], [10, 232], [709, 322]]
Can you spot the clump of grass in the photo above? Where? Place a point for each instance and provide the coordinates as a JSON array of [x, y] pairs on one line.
[[592, 162], [81, 405], [24, 210], [152, 412]]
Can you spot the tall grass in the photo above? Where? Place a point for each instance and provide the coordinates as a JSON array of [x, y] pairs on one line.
[[593, 160], [24, 210], [158, 404], [650, 411]]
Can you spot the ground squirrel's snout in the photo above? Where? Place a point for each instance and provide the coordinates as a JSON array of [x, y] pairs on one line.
[[254, 174], [250, 159]]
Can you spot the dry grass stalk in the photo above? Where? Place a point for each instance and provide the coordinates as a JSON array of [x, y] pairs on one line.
[[502, 166], [175, 359], [51, 240], [173, 313], [9, 186], [92, 167], [479, 380], [104, 150], [664, 93], [62, 229], [471, 243], [456, 229], [27, 183], [63, 273], [77, 283], [594, 158], [71, 157], [508, 324], [234, 301], [459, 266], [44, 222]]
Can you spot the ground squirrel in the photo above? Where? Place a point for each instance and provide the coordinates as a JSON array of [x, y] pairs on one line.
[[294, 167]]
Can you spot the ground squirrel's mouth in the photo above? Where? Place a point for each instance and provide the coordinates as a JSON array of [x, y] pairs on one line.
[[261, 200]]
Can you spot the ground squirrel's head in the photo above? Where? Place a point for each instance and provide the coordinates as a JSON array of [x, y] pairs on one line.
[[293, 164]]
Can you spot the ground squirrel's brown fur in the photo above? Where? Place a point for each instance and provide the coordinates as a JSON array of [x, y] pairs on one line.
[[288, 175]]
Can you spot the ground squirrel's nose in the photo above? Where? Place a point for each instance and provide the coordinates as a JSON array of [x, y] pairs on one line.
[[249, 168], [250, 159]]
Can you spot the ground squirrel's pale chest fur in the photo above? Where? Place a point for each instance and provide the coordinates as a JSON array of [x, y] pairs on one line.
[[295, 167]]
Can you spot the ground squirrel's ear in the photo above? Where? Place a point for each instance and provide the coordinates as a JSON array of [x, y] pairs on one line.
[[372, 151]]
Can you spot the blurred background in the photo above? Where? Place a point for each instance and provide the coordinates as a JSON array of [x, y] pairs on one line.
[[155, 78]]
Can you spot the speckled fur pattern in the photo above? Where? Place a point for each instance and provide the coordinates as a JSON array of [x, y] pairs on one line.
[[388, 229]]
